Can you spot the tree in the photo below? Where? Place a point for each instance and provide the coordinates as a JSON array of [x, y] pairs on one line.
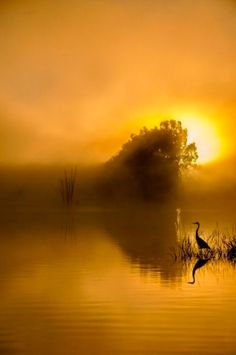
[[150, 164]]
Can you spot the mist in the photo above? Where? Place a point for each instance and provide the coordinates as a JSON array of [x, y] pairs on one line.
[[78, 77]]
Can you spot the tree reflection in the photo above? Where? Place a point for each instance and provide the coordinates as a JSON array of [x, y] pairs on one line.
[[145, 236]]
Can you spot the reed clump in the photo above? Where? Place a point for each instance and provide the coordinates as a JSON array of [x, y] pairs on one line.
[[68, 186], [223, 248]]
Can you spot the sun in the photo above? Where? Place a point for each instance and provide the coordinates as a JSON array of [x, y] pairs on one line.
[[205, 135], [205, 132]]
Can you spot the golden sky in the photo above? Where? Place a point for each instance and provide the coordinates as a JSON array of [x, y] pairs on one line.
[[77, 77]]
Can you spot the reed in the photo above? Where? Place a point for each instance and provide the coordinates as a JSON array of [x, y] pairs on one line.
[[68, 186], [223, 248]]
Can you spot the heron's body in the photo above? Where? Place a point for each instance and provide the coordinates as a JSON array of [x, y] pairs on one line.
[[200, 242]]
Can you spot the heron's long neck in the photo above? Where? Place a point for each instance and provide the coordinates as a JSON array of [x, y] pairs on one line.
[[198, 227]]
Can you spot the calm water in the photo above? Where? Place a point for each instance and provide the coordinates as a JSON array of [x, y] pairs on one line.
[[104, 283]]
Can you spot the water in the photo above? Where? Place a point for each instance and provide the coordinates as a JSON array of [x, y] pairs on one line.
[[104, 283]]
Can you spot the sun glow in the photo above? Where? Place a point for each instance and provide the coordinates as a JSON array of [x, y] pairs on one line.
[[205, 135], [203, 131]]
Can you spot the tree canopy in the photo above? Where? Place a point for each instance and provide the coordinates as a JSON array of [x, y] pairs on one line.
[[150, 164]]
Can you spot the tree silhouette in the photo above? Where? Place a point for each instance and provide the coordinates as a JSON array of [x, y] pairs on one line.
[[150, 164]]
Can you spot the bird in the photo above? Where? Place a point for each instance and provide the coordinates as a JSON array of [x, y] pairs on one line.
[[200, 263], [200, 242]]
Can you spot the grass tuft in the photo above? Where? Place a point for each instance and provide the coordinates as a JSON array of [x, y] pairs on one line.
[[68, 186]]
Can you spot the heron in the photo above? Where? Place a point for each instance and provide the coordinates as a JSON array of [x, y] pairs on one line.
[[200, 242]]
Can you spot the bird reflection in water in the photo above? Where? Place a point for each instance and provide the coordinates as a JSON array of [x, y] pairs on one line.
[[200, 263]]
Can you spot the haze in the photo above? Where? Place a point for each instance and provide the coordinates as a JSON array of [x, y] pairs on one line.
[[77, 77]]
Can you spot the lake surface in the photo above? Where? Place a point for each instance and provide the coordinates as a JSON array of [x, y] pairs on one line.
[[104, 283]]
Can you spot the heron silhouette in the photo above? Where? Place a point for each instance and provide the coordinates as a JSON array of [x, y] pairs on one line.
[[200, 242], [200, 263]]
